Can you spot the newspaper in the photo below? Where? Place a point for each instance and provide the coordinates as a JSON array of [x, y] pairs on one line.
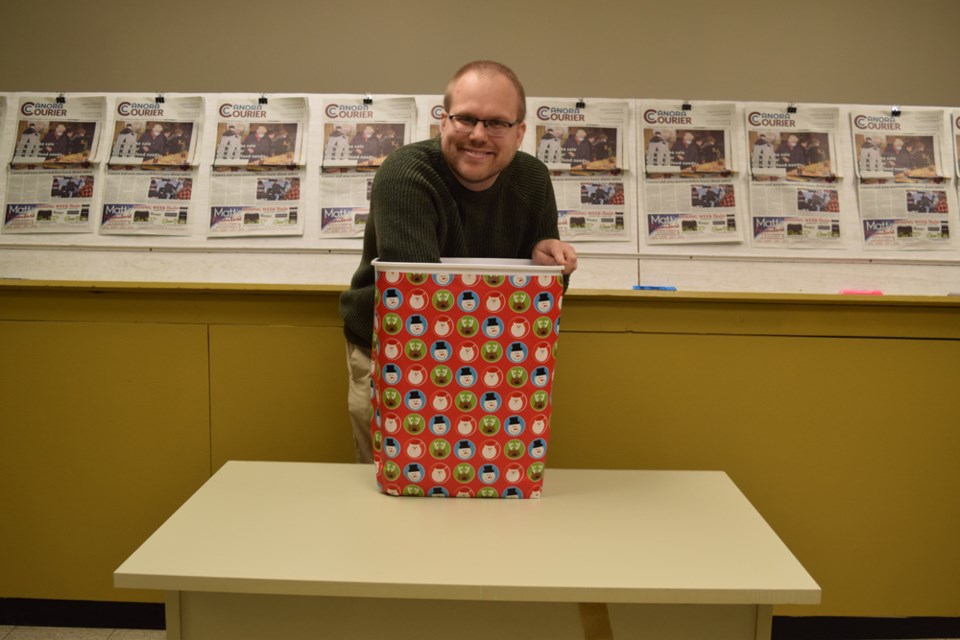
[[691, 192], [590, 137], [691, 211], [149, 133], [362, 133], [794, 201], [58, 134], [690, 142], [357, 137], [903, 190], [256, 203], [792, 214], [49, 201], [150, 173], [50, 181], [257, 177], [799, 146], [252, 133], [347, 197], [146, 202], [594, 207]]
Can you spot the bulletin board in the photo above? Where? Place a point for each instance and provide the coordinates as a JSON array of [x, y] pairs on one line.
[[629, 260]]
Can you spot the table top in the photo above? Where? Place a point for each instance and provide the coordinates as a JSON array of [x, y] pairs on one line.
[[595, 536]]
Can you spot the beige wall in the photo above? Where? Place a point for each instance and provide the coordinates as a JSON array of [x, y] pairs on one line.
[[856, 51]]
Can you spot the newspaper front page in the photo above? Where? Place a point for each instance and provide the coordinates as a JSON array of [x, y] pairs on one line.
[[257, 177], [583, 144], [152, 166], [794, 199], [50, 181], [690, 181], [903, 183], [358, 135]]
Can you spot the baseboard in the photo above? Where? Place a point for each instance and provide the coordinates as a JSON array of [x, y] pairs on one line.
[[29, 612], [844, 628]]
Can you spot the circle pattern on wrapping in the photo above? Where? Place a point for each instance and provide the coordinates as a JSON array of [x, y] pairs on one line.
[[462, 377]]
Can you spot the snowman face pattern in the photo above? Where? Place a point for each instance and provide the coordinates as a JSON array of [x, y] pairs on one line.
[[460, 391]]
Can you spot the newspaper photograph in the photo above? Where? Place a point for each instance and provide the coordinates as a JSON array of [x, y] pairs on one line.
[[345, 204], [904, 148], [799, 146], [254, 134], [593, 208], [49, 201], [361, 134], [588, 138], [247, 203], [897, 216], [792, 215], [686, 142], [148, 133], [54, 133], [691, 212], [146, 202]]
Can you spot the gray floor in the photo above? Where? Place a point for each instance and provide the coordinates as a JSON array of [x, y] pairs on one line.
[[56, 633]]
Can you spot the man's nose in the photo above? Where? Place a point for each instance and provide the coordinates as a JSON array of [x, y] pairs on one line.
[[479, 131]]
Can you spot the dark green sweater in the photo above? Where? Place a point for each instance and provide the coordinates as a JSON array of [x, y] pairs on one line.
[[419, 212]]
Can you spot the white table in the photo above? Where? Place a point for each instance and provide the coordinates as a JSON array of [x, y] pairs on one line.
[[299, 551]]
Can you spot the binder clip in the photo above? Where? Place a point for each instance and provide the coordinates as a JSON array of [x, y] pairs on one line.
[[895, 111], [367, 99], [159, 99], [791, 108], [263, 98], [686, 106], [581, 104], [61, 99]]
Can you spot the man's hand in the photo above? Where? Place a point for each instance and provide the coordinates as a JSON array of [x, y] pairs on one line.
[[551, 252]]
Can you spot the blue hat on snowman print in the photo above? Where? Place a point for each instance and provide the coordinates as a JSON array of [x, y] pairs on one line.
[[413, 472], [540, 377], [416, 325]]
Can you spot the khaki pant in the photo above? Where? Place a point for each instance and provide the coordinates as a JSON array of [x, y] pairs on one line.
[[358, 400]]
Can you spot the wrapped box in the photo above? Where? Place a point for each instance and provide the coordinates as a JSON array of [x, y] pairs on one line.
[[463, 364]]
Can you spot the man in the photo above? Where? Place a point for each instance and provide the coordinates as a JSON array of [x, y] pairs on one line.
[[152, 143], [685, 152], [790, 155], [54, 144], [469, 193], [583, 153], [256, 146], [365, 145], [602, 149]]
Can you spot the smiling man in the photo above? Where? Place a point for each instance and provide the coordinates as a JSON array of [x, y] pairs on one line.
[[471, 193]]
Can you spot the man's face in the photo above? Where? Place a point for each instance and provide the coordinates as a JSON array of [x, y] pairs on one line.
[[897, 144], [792, 141], [475, 158], [367, 132], [261, 131], [59, 130], [687, 138], [157, 130]]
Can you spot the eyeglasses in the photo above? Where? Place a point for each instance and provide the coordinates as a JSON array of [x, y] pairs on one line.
[[494, 128]]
